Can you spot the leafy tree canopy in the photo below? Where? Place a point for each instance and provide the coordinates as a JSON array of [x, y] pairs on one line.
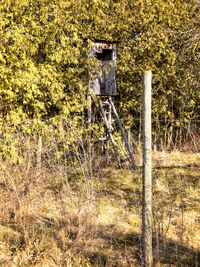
[[44, 56]]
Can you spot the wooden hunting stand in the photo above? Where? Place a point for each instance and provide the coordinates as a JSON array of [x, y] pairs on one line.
[[103, 85]]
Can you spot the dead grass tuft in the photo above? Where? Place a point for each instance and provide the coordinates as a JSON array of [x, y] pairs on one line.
[[66, 218]]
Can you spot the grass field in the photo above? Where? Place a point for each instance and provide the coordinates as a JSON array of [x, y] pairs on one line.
[[75, 216]]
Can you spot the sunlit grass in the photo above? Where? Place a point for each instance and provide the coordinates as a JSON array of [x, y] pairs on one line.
[[69, 219]]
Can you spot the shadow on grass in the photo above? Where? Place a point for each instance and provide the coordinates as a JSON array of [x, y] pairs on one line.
[[188, 166], [106, 246], [164, 251]]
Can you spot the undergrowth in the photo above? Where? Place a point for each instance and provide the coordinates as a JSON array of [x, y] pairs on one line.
[[69, 216]]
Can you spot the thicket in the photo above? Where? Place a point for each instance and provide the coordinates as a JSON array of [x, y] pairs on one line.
[[59, 204], [44, 57]]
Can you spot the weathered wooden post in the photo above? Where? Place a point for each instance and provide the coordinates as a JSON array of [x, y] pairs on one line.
[[147, 175]]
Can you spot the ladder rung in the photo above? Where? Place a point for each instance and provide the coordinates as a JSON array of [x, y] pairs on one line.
[[106, 104]]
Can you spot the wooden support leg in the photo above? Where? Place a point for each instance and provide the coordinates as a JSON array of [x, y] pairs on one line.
[[109, 133], [123, 134]]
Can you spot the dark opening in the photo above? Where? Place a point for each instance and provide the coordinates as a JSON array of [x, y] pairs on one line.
[[106, 55]]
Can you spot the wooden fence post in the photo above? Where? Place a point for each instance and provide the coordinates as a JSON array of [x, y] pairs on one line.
[[147, 172]]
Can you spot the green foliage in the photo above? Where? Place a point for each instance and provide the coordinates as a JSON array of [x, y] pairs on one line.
[[44, 56], [42, 62], [161, 31]]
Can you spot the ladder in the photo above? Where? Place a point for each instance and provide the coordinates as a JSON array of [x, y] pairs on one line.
[[107, 121]]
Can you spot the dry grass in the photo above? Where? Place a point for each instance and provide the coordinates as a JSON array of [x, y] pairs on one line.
[[65, 217]]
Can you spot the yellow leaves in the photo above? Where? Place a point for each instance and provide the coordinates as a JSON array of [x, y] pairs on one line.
[[45, 66], [2, 59]]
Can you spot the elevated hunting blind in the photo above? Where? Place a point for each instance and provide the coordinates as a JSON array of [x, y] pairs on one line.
[[104, 83]]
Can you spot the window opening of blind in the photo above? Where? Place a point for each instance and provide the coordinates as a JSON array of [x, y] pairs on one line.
[[106, 55]]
